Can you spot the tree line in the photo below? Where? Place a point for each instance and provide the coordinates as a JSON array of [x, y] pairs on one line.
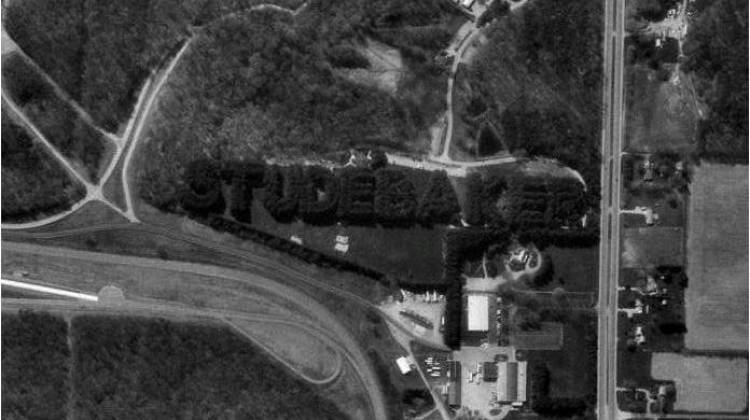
[[716, 48]]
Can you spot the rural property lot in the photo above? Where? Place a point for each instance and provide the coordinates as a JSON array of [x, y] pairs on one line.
[[717, 259], [660, 115], [653, 246], [704, 383]]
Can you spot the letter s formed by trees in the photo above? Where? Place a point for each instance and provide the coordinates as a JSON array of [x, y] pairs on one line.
[[202, 193]]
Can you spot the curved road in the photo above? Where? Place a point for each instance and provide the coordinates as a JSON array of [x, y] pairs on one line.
[[315, 311], [180, 313]]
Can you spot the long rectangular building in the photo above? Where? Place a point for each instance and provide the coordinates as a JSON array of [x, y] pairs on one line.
[[511, 382], [454, 385]]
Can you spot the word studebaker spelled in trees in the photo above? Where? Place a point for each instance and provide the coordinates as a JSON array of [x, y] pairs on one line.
[[318, 195]]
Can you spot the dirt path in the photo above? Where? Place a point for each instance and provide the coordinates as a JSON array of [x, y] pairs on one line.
[[132, 136]]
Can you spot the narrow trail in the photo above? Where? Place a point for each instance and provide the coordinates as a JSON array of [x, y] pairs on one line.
[[18, 112], [64, 96], [125, 144], [141, 115]]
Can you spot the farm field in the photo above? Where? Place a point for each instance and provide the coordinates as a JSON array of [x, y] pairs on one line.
[[717, 259], [653, 246], [704, 384], [661, 115]]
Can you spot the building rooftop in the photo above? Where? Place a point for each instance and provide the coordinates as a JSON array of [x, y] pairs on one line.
[[477, 308]]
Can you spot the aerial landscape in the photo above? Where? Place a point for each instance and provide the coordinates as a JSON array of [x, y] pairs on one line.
[[374, 209]]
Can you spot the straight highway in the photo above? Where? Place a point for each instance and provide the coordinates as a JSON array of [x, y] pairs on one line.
[[609, 250]]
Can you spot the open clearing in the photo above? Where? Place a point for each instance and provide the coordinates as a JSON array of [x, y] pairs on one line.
[[386, 67], [305, 353], [653, 246], [717, 267], [660, 115], [704, 383], [548, 337]]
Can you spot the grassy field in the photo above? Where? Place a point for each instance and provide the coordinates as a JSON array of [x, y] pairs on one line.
[[655, 246], [91, 214], [704, 384], [413, 254], [573, 375], [548, 337], [717, 259], [671, 208], [308, 354], [660, 115], [576, 269]]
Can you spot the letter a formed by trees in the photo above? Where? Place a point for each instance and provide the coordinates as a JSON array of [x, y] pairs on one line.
[[439, 203]]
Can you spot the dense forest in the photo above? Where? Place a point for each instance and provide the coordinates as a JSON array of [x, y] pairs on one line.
[[159, 369], [35, 360], [539, 77], [265, 84], [101, 52], [33, 183], [717, 53]]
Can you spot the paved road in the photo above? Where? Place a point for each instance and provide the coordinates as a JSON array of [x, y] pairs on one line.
[[181, 313], [609, 250], [312, 309]]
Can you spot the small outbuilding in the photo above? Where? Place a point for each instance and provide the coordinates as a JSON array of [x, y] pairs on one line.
[[403, 365], [489, 371]]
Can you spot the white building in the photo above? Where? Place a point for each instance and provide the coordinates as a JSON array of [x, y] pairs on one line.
[[403, 365], [478, 312]]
